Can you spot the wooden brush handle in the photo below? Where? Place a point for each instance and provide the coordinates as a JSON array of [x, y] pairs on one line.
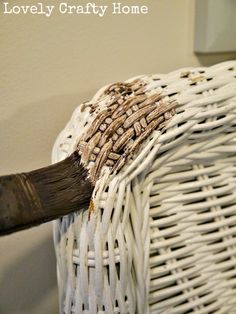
[[29, 199]]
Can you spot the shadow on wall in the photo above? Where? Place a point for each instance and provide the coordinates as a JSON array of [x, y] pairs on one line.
[[29, 279], [208, 59], [28, 282]]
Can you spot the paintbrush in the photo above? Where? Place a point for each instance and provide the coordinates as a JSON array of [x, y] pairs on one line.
[[29, 199]]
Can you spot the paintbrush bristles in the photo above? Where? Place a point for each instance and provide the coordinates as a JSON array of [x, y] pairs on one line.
[[68, 182], [38, 196]]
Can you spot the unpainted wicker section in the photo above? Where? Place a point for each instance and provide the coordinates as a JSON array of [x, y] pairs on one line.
[[162, 238], [117, 131]]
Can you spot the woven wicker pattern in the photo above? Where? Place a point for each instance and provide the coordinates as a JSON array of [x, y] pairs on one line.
[[162, 235], [117, 131]]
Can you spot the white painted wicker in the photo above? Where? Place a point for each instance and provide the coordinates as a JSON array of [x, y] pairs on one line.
[[163, 235]]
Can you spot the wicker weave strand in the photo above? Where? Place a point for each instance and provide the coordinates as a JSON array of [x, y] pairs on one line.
[[118, 130], [162, 238]]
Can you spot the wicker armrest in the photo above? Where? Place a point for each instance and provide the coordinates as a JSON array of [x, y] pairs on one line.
[[160, 236]]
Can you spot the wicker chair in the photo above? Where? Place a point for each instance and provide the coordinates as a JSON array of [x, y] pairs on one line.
[[162, 236]]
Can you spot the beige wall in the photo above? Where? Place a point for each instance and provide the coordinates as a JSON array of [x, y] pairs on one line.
[[48, 66]]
